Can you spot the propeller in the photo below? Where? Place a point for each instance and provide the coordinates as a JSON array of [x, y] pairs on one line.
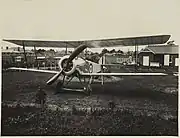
[[74, 54], [54, 78]]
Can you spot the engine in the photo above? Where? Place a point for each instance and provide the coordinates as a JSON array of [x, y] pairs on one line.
[[63, 66]]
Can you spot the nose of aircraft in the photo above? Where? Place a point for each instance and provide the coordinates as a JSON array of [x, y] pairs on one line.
[[75, 53]]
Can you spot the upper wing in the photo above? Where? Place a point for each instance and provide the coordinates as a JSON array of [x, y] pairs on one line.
[[129, 41]]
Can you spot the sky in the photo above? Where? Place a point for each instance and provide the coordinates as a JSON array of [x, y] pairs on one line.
[[88, 19]]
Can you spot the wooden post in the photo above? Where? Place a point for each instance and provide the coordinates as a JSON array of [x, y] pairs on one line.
[[36, 62], [25, 54], [102, 77], [66, 50]]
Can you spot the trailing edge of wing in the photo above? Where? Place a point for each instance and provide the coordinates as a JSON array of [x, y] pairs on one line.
[[34, 70]]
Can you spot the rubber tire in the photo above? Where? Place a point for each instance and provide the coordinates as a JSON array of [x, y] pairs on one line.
[[59, 86], [88, 91]]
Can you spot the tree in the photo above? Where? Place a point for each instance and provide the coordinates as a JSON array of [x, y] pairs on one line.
[[113, 51], [51, 50], [104, 51], [119, 51], [41, 51]]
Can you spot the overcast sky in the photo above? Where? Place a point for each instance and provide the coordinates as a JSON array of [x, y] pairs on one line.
[[88, 19]]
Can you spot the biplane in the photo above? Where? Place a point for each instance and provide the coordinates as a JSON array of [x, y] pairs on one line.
[[69, 64]]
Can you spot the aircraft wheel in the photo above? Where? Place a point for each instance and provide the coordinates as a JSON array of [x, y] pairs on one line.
[[88, 90], [59, 85]]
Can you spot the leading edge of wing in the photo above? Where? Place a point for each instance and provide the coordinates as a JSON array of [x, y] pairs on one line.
[[94, 74], [34, 70], [96, 43]]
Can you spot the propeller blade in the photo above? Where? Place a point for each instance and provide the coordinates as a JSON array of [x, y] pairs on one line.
[[76, 52], [63, 79], [54, 78]]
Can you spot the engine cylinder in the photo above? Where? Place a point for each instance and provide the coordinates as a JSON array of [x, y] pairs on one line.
[[63, 66]]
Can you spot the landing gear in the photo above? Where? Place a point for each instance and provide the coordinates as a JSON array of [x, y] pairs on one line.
[[62, 85], [87, 86], [59, 86], [88, 90]]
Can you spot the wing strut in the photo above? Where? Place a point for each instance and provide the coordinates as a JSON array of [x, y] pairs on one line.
[[25, 55], [136, 54], [66, 50], [102, 77], [135, 57], [36, 62]]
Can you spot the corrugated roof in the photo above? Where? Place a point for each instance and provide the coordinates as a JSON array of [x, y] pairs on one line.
[[162, 49]]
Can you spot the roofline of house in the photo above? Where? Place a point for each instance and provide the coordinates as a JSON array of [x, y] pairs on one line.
[[150, 51]]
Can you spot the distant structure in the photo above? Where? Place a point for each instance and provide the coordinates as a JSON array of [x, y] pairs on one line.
[[115, 58], [160, 55], [14, 56]]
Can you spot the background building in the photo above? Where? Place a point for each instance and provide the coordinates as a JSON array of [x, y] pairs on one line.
[[115, 58], [14, 56], [159, 55]]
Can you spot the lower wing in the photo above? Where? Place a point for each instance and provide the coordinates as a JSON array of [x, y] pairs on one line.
[[34, 70], [123, 74], [94, 74]]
